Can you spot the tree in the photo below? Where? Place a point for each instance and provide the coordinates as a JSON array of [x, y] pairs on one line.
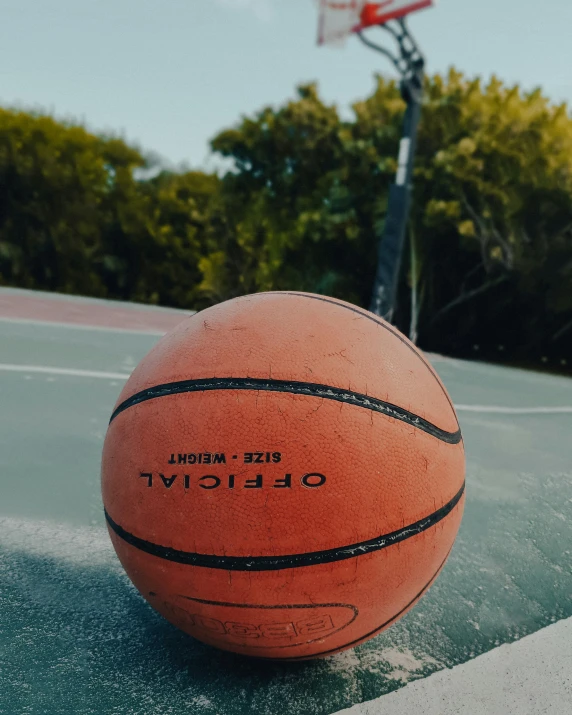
[[490, 258], [490, 227], [75, 218], [494, 210], [55, 187], [301, 195]]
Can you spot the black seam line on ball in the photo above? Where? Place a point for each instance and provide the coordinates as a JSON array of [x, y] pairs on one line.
[[290, 561], [359, 640], [362, 312], [292, 387]]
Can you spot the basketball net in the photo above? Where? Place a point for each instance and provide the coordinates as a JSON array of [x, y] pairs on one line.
[[338, 19]]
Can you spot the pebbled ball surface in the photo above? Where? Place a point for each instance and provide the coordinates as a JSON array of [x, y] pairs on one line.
[[251, 518]]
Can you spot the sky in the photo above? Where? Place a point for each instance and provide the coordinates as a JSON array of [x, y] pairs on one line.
[[167, 75]]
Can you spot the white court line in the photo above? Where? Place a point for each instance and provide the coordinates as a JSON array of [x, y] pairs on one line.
[[482, 409], [528, 677], [64, 371], [78, 326], [531, 676]]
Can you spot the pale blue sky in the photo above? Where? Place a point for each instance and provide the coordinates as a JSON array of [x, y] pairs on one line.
[[168, 74]]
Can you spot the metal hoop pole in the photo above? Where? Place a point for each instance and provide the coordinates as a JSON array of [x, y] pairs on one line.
[[411, 65]]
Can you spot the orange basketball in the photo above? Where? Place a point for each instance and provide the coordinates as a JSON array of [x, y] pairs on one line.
[[283, 476]]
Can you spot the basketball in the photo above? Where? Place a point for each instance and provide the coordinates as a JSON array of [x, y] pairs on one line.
[[283, 476]]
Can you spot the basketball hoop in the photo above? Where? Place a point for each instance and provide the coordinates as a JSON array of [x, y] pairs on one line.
[[341, 18]]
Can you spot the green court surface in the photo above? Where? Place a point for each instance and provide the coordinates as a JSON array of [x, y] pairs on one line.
[[77, 638]]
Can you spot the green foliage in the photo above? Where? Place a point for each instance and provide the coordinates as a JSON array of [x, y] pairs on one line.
[[53, 184], [74, 218], [490, 249], [492, 215], [494, 209], [306, 194]]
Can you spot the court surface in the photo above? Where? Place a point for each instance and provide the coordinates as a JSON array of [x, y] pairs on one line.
[[76, 637]]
